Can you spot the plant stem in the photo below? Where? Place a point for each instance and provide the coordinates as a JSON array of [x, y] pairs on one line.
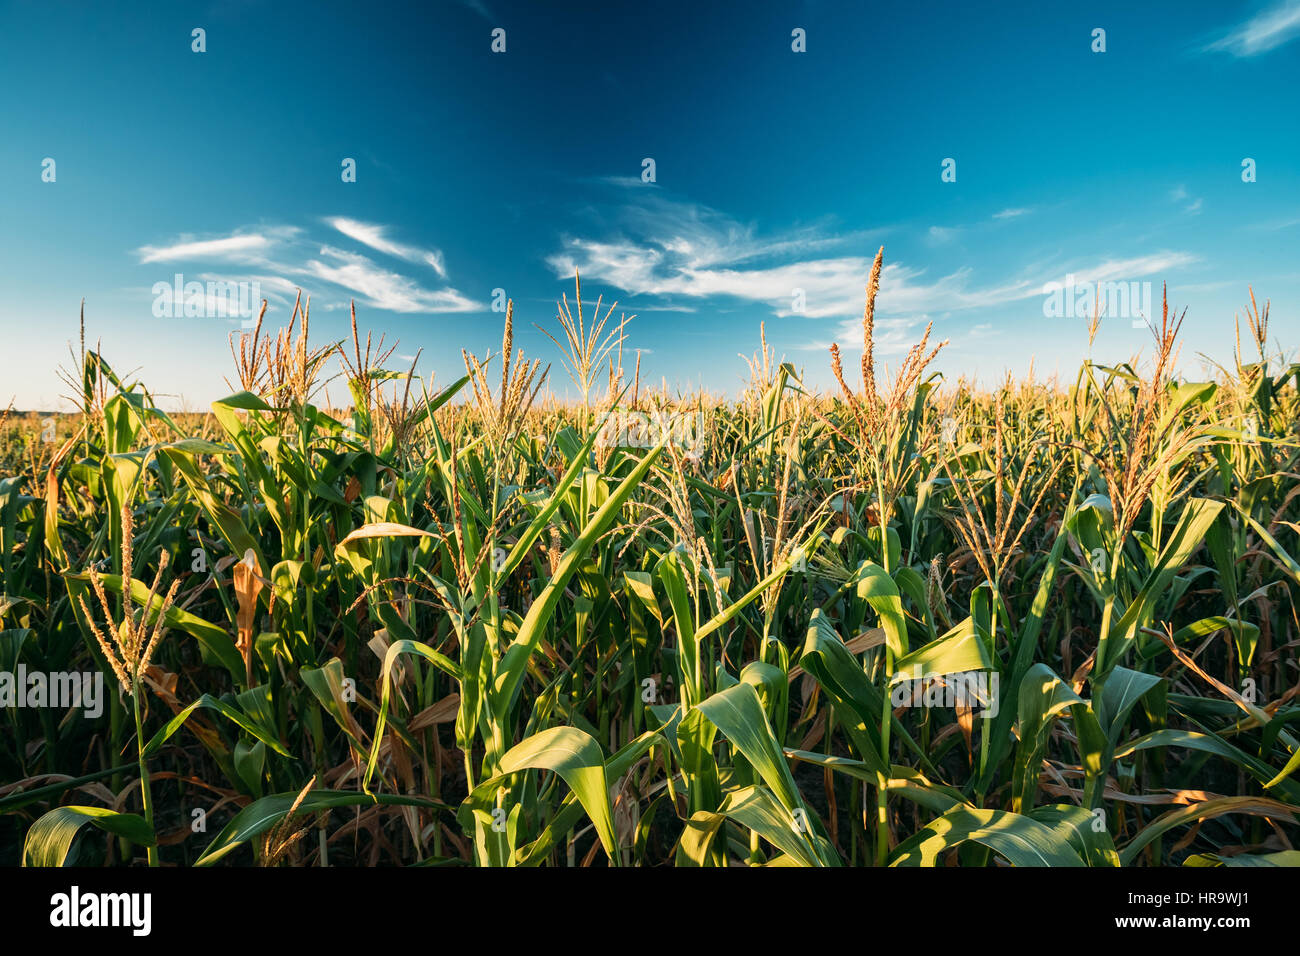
[[882, 781], [146, 794]]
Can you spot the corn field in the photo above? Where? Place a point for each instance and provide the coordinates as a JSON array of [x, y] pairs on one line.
[[907, 622]]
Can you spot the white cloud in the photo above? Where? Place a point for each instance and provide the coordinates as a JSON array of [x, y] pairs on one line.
[[1136, 267], [276, 284], [684, 250], [626, 182], [1012, 213], [1276, 224], [671, 270], [284, 262], [890, 336], [237, 248], [276, 290], [375, 237], [669, 308], [1179, 194], [383, 289], [1266, 31]]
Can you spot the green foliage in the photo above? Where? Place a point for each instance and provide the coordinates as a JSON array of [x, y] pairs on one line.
[[502, 639]]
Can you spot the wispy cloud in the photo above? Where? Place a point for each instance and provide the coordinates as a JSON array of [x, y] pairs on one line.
[[479, 7], [918, 304], [1012, 213], [681, 250], [245, 248], [275, 289], [375, 236], [678, 249], [669, 269], [384, 289], [674, 249], [1179, 195], [624, 182], [381, 288], [1267, 30], [1136, 267], [1275, 224], [282, 261], [890, 336]]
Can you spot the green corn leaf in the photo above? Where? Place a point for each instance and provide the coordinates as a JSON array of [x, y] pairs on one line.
[[1022, 840], [50, 838]]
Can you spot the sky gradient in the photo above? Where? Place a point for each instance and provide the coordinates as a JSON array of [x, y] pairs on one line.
[[775, 171]]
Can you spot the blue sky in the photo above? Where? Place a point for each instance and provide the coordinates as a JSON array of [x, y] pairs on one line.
[[775, 171]]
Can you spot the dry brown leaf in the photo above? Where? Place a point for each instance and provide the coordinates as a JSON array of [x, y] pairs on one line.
[[442, 712], [863, 642]]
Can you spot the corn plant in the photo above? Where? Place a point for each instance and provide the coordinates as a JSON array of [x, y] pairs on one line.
[[478, 625]]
